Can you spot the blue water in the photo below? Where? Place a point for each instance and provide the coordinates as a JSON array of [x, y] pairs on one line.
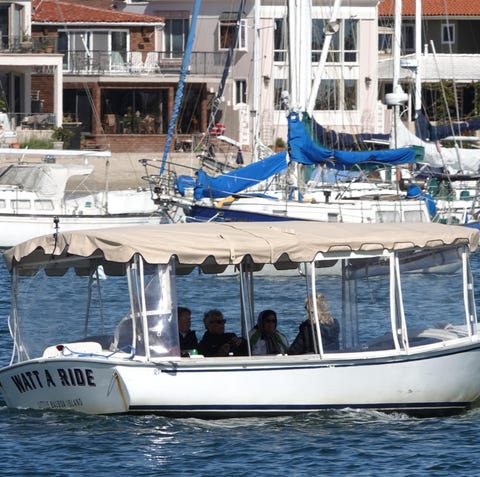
[[343, 443]]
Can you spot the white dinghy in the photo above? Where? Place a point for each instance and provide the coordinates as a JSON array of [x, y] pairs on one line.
[[404, 344]]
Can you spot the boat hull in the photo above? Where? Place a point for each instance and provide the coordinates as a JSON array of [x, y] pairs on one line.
[[348, 211], [15, 229], [226, 387]]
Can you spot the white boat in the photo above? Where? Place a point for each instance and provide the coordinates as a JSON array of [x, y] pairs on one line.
[[404, 345], [34, 200], [226, 197], [453, 159]]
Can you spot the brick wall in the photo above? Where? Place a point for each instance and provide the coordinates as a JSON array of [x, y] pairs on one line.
[[147, 143], [44, 84]]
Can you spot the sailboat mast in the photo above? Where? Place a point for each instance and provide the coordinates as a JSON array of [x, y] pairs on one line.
[[256, 78], [226, 72], [397, 37], [330, 29], [181, 82], [300, 45], [418, 50]]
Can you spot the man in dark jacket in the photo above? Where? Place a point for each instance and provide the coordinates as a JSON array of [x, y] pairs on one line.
[[216, 342], [188, 338]]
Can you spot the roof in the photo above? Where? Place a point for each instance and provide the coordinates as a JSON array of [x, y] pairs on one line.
[[213, 244], [53, 11], [47, 180], [463, 68], [434, 8]]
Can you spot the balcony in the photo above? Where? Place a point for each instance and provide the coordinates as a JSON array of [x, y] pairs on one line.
[[135, 63], [99, 62]]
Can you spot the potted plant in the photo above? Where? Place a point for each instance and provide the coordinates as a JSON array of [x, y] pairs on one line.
[[61, 135], [279, 144], [26, 41], [46, 45]]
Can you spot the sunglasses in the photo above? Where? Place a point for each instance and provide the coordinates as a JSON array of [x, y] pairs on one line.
[[270, 320], [218, 322]]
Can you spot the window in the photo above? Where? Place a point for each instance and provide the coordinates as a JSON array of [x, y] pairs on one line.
[[226, 30], [408, 38], [91, 50], [280, 40], [344, 42], [279, 86], [350, 40], [176, 34], [240, 91], [43, 204], [385, 40], [448, 34], [336, 95], [318, 39], [350, 95], [328, 95], [20, 204]]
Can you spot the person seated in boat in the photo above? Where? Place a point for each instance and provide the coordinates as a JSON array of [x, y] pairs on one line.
[[264, 336], [215, 342], [188, 337], [329, 328]]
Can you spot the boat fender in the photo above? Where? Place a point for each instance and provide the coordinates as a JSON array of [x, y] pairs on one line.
[[227, 200]]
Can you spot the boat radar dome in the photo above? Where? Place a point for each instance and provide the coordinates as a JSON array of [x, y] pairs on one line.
[[396, 99]]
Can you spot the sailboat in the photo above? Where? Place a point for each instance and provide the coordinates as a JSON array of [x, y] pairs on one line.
[[36, 197], [452, 172], [230, 197], [224, 198]]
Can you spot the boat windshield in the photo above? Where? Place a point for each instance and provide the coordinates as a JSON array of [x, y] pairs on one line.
[[153, 307], [391, 303]]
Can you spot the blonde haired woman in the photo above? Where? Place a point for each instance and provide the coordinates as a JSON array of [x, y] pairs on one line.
[[329, 328]]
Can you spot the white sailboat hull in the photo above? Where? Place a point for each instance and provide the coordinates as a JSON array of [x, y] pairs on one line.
[[32, 195], [346, 211], [213, 387]]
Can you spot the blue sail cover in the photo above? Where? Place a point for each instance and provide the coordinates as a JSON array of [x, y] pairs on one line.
[[239, 179], [304, 151], [351, 142], [428, 132]]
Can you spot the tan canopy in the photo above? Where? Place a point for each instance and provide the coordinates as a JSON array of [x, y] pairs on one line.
[[230, 243]]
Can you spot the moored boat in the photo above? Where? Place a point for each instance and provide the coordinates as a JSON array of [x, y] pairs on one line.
[[35, 200], [392, 353]]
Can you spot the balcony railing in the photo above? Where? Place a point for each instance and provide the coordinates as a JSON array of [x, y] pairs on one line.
[[141, 63], [98, 62], [34, 120]]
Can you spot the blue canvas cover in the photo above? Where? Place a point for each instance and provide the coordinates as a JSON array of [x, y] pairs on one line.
[[239, 179], [428, 132], [304, 151], [332, 139]]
